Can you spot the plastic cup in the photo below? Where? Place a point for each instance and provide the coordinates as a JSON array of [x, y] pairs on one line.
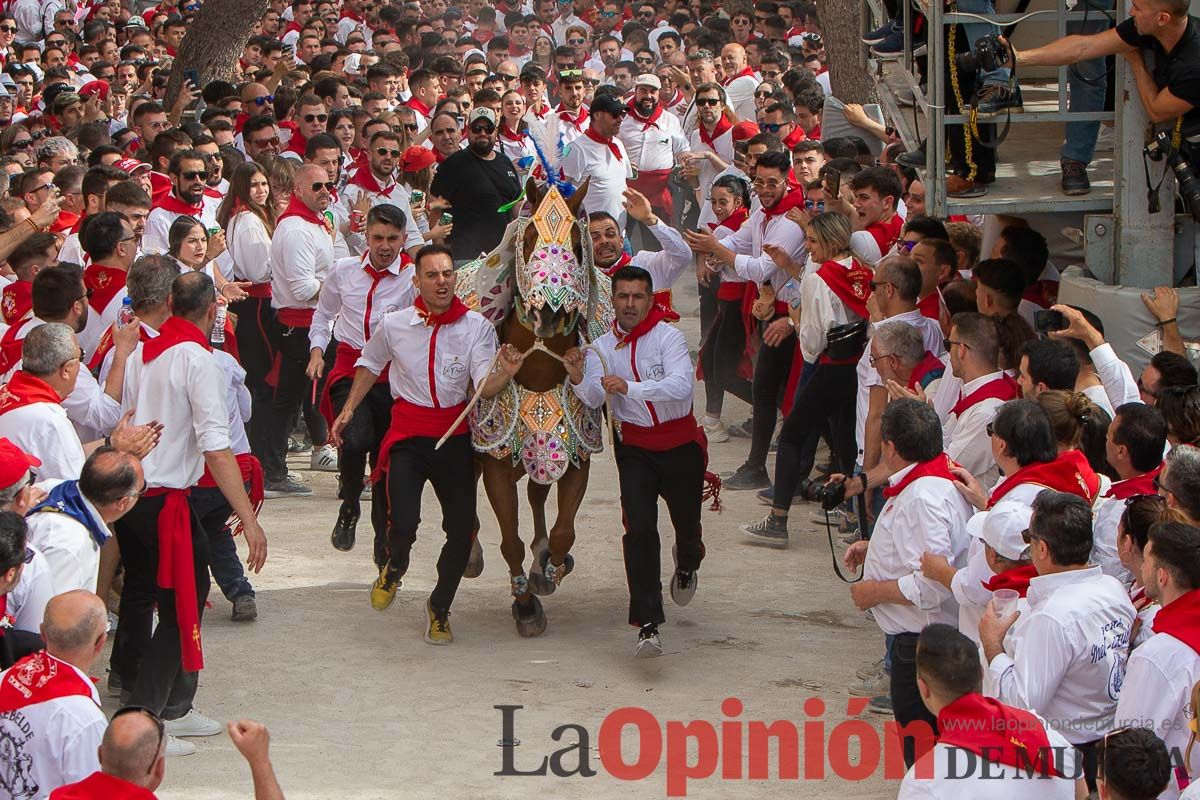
[[1005, 602]]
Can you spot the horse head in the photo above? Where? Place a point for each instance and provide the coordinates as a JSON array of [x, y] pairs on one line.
[[554, 271]]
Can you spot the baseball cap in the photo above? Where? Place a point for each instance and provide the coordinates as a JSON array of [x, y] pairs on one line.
[[66, 99], [14, 463], [743, 131], [131, 165], [608, 104], [484, 113], [417, 157], [648, 80], [93, 87], [1001, 528], [136, 22]]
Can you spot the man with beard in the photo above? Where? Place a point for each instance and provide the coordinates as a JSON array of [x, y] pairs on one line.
[[599, 155], [474, 183], [377, 184], [445, 135], [711, 144], [572, 116], [653, 139], [189, 176], [309, 117], [664, 266]]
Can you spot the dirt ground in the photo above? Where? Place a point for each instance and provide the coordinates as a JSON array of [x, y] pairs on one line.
[[360, 707]]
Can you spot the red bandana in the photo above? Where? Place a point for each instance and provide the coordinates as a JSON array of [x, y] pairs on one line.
[[40, 677], [852, 285], [745, 71], [457, 310], [794, 138], [1138, 484], [926, 366], [174, 331], [793, 199], [647, 122], [930, 306], [576, 121], [1001, 734], [657, 314], [623, 261], [937, 467], [609, 143], [886, 233], [1181, 618], [511, 135], [104, 283], [366, 180], [297, 208], [1016, 578], [23, 390], [723, 124], [1002, 388], [176, 206], [418, 106], [107, 343], [16, 301], [734, 221], [1069, 473], [101, 784]]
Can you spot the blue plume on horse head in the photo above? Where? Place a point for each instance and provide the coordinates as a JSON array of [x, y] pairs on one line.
[[565, 187]]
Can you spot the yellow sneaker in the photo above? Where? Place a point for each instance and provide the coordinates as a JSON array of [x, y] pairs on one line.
[[383, 590], [439, 626]]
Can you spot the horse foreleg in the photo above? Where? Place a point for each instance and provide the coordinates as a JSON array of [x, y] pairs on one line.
[[538, 493], [502, 494], [571, 488]]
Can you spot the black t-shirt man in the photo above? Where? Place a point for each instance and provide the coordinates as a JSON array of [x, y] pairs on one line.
[[1178, 71], [475, 188]]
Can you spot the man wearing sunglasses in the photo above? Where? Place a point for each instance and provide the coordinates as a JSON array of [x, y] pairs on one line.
[[309, 118], [600, 156], [567, 19], [189, 175], [377, 183]]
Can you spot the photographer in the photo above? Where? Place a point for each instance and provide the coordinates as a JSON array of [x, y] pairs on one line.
[[1160, 27]]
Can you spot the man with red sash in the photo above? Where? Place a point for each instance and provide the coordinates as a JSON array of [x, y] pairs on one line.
[[437, 349], [875, 193], [308, 119], [1162, 670], [111, 245], [301, 257], [1065, 659], [664, 266], [1133, 447], [189, 178], [357, 293], [175, 379], [653, 139], [377, 182], [31, 256], [751, 252], [662, 450], [985, 750], [974, 355], [923, 512], [49, 708]]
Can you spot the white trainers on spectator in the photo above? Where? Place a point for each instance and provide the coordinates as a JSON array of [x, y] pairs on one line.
[[714, 430], [194, 723], [178, 747], [324, 458]]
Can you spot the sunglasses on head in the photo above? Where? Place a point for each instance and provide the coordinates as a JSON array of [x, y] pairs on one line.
[[319, 185], [387, 151], [194, 174], [316, 117], [266, 98]]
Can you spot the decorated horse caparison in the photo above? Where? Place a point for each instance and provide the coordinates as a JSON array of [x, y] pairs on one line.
[[545, 295]]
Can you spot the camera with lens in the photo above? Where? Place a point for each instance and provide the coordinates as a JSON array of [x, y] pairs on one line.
[[830, 495], [1160, 148], [989, 53]]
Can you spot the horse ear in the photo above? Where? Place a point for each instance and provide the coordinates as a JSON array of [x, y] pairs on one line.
[[533, 193], [575, 201]]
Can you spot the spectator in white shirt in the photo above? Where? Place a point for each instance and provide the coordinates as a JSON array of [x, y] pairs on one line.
[[17, 560], [740, 80], [1165, 369], [1161, 673], [1065, 659], [600, 157], [1142, 512], [1179, 481]]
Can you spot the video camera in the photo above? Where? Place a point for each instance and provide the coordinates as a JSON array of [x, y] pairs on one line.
[[989, 53], [1160, 148]]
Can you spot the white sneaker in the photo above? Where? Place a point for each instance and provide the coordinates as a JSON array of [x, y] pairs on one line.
[[324, 458], [648, 645], [716, 433], [194, 723], [1106, 139], [112, 622], [178, 747]]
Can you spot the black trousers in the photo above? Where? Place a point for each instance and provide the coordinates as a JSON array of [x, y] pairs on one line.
[[151, 663], [771, 368], [256, 353], [412, 462], [677, 476], [722, 355], [360, 445], [907, 706], [707, 295], [292, 395], [826, 398], [214, 510]]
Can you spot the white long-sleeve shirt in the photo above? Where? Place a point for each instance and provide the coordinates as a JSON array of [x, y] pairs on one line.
[[1065, 659], [740, 92], [657, 369], [822, 310], [1156, 693], [1105, 520], [351, 294], [929, 515], [966, 436], [90, 409], [1115, 375], [44, 430], [156, 239], [667, 264], [249, 247], [238, 401], [301, 257], [458, 355], [70, 550], [723, 147], [750, 262], [394, 194]]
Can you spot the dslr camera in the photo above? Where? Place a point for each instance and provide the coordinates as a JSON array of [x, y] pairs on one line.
[[1160, 148], [988, 54], [830, 495]]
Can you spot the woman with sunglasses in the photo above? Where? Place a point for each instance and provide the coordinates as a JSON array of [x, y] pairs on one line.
[[763, 96], [16, 140]]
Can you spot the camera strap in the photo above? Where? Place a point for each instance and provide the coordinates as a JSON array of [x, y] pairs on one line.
[[837, 568], [1153, 206], [1012, 85]]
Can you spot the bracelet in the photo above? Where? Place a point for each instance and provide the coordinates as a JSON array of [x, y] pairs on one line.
[[36, 227], [1162, 323], [863, 475]]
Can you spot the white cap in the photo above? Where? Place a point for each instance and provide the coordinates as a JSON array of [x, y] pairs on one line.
[[1001, 528], [648, 80]]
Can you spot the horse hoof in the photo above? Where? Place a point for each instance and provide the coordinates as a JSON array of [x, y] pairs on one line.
[[530, 619], [539, 584], [475, 562]]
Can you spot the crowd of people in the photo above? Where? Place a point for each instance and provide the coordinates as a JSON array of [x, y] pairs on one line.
[[205, 276]]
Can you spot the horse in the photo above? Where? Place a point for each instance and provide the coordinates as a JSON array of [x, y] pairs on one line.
[[546, 296]]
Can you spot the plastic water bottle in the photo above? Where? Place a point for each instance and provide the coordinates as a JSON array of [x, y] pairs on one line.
[[125, 315], [218, 330]]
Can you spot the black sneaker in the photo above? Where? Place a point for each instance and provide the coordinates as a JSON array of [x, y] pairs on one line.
[[770, 528], [683, 586], [343, 530], [285, 488], [1074, 178], [913, 158], [881, 33], [747, 477], [995, 99], [648, 643], [743, 431]]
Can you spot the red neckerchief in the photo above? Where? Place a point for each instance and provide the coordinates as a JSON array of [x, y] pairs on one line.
[[213, 193], [1069, 473], [23, 390], [926, 366], [851, 284], [1181, 618], [174, 331], [540, 110], [16, 301], [675, 100], [734, 221], [1001, 734], [65, 221], [794, 138], [104, 283], [793, 199], [936, 467], [647, 122], [40, 677], [1138, 484], [297, 208], [609, 143], [418, 106], [509, 134], [297, 143], [176, 206], [457, 310], [513, 50], [438, 156], [745, 71], [10, 346], [101, 784], [575, 121], [723, 124], [657, 314], [1041, 293], [886, 233], [1002, 388], [1016, 578], [366, 180], [930, 306], [106, 343], [351, 14], [621, 261]]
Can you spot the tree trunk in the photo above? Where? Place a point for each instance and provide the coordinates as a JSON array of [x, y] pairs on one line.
[[214, 42], [841, 27]]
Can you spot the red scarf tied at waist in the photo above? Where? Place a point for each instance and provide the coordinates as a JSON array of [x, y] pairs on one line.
[[252, 476], [1016, 578], [1069, 473], [23, 390], [343, 370], [999, 733], [411, 420], [176, 568]]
